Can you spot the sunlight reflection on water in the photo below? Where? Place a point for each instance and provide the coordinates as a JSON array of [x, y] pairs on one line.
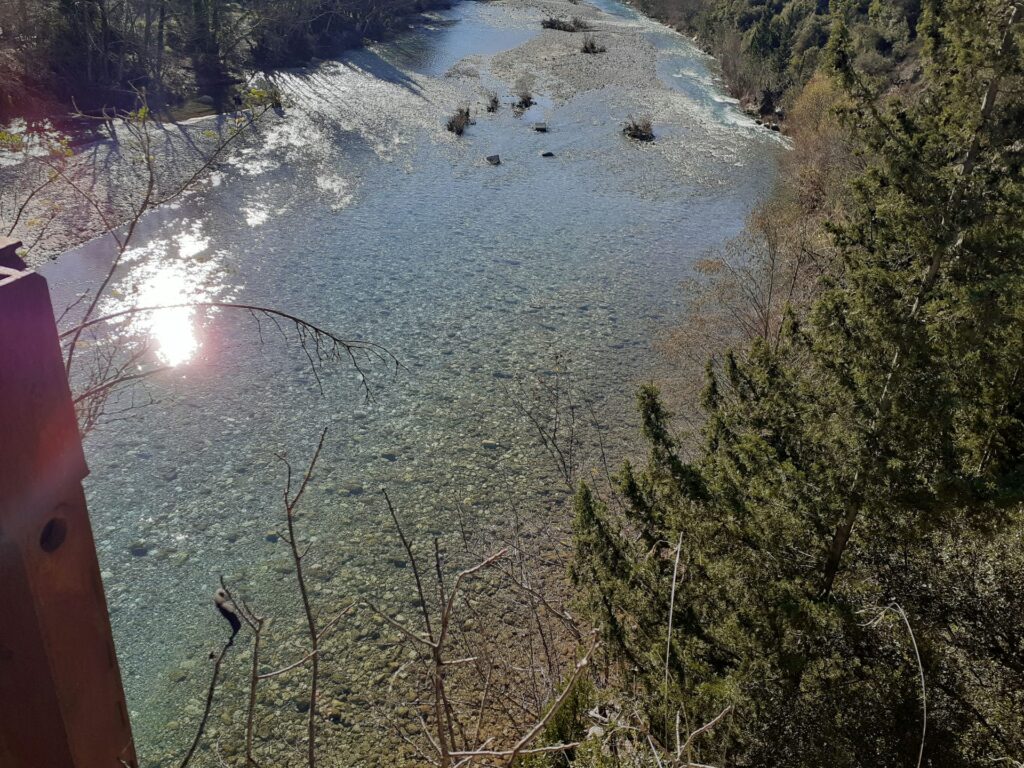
[[166, 273], [359, 210]]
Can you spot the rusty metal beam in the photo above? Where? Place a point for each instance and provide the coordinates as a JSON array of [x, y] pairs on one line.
[[61, 700]]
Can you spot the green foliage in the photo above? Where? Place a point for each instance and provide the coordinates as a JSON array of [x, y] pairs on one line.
[[872, 455], [11, 142], [266, 95], [769, 50], [568, 725]]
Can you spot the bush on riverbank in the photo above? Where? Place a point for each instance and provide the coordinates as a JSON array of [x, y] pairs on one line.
[[639, 128], [575, 24], [524, 98], [831, 543], [590, 45], [458, 122]]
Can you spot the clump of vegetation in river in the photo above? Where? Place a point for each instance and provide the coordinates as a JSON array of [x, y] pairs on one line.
[[639, 128], [493, 103], [458, 122], [524, 98], [575, 24], [590, 45]]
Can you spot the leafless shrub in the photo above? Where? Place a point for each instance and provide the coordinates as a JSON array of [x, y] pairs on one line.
[[739, 292], [524, 98], [117, 359], [575, 24], [453, 735], [556, 413], [480, 696], [590, 45], [639, 128], [458, 122], [237, 612]]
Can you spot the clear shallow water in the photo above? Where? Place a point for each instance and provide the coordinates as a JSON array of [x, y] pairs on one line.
[[357, 210]]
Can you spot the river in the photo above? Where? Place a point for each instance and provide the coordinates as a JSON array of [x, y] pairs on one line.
[[359, 211]]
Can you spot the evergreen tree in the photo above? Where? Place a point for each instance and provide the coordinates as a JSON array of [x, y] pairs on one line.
[[872, 457]]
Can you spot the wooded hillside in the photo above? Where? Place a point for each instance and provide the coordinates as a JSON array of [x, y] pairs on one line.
[[830, 569], [769, 49]]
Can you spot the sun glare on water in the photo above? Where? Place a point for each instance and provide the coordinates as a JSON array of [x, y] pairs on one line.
[[168, 274], [173, 328]]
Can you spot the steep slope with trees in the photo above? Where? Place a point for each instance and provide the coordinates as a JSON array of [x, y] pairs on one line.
[[841, 561], [769, 50]]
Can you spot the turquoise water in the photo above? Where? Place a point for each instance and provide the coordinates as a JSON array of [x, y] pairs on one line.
[[357, 210]]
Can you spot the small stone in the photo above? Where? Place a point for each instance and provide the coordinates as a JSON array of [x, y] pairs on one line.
[[139, 549], [489, 445], [547, 154]]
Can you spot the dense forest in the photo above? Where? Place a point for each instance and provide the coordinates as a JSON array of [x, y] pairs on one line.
[[104, 52], [769, 50], [835, 554]]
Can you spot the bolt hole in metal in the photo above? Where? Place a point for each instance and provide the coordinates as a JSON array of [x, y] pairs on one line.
[[53, 535]]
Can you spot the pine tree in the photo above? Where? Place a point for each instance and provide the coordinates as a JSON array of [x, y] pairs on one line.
[[872, 457]]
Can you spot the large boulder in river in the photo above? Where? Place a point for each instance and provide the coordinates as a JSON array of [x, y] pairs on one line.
[[494, 159]]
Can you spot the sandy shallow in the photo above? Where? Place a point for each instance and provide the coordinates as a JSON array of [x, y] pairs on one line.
[[554, 62]]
